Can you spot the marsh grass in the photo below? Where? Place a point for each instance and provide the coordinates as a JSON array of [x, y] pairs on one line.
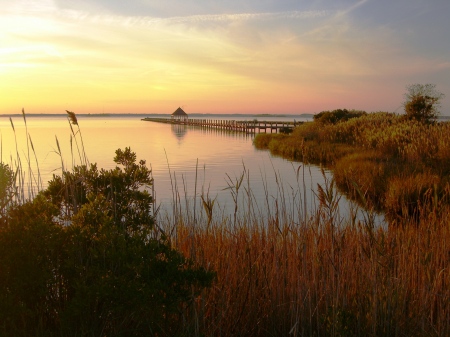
[[328, 275], [25, 181], [292, 271], [395, 161]]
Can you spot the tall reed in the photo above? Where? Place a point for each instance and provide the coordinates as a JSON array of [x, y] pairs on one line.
[[16, 165], [72, 118], [28, 180], [326, 276]]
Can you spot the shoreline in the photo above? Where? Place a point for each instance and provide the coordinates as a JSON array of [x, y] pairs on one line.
[[209, 115]]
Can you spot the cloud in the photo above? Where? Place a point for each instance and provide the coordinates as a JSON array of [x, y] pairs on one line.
[[151, 12], [351, 8], [219, 50], [192, 19], [244, 17]]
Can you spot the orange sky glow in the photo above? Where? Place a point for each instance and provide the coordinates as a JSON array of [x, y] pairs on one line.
[[277, 57]]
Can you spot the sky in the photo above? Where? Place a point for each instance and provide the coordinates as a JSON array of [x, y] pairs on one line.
[[228, 56]]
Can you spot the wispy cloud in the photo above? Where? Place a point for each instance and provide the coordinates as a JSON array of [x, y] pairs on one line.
[[247, 16], [350, 9], [193, 19]]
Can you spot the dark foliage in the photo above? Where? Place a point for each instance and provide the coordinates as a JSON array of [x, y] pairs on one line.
[[83, 259], [338, 115], [422, 102], [7, 190], [286, 130]]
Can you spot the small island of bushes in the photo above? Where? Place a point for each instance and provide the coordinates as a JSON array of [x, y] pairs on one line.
[[397, 164]]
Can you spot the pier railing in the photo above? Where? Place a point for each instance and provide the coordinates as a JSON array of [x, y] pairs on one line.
[[232, 125]]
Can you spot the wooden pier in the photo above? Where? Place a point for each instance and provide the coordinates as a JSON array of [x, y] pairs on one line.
[[232, 125]]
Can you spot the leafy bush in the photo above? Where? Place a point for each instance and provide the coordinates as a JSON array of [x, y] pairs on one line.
[[83, 258], [338, 115], [7, 190], [422, 102]]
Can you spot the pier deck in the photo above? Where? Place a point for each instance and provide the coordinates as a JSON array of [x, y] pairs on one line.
[[232, 125]]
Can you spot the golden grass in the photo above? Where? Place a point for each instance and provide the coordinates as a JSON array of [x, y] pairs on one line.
[[322, 276], [316, 279], [383, 156]]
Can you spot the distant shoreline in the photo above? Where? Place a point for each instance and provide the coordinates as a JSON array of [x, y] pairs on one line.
[[308, 116], [141, 115]]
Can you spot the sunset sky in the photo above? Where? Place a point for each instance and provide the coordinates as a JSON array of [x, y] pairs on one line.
[[233, 56]]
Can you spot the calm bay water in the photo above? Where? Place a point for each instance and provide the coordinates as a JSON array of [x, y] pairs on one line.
[[185, 161]]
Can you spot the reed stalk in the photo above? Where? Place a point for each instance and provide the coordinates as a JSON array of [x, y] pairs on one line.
[[72, 118], [326, 276], [19, 173]]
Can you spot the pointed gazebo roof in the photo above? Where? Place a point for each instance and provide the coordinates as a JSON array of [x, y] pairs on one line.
[[179, 112]]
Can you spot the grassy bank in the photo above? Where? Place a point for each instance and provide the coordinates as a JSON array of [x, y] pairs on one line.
[[324, 276], [317, 280], [385, 161]]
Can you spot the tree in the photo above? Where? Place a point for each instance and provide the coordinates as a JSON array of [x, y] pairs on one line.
[[422, 102], [83, 258]]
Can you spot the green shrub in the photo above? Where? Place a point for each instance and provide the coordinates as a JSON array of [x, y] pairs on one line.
[[338, 115], [83, 258], [7, 190]]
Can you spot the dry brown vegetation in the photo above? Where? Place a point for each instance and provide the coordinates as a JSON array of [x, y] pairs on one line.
[[315, 274], [399, 165], [320, 278], [326, 275]]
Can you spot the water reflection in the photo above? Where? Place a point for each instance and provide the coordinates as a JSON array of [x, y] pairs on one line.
[[187, 162], [179, 130], [222, 132]]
